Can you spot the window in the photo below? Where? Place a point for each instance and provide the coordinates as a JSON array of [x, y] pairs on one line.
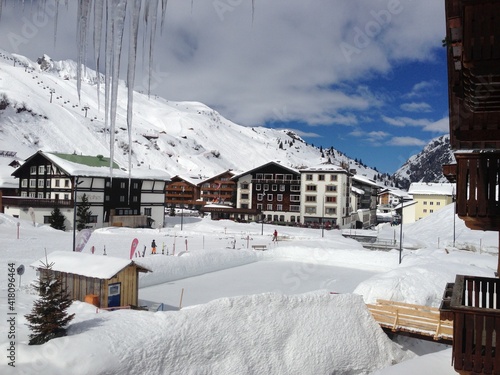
[[32, 183], [282, 188], [258, 176], [294, 208], [279, 197], [331, 211], [106, 198], [57, 183], [310, 198], [294, 198], [33, 169], [295, 188], [311, 188], [24, 182], [122, 185], [258, 187], [425, 211], [93, 219], [147, 211], [431, 211], [279, 176], [259, 206], [268, 176], [269, 197], [279, 207], [260, 197], [46, 219], [41, 169], [269, 207], [135, 198], [244, 185], [41, 183], [40, 195], [66, 197], [108, 184], [266, 187], [321, 177], [244, 196], [24, 194], [331, 199], [331, 188], [309, 177], [282, 218], [438, 203], [122, 198], [47, 183], [275, 187], [425, 203], [333, 177], [310, 210], [431, 203], [66, 183], [56, 197]]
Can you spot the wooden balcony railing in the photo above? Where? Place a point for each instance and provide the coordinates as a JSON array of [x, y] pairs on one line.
[[36, 202], [475, 304], [477, 196]]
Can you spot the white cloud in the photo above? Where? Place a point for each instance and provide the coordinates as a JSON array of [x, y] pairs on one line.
[[416, 107], [439, 126], [406, 141]]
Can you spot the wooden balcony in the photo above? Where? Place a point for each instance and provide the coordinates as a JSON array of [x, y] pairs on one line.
[[477, 176], [475, 304], [24, 202]]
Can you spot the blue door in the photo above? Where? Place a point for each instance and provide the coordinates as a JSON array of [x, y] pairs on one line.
[[114, 295]]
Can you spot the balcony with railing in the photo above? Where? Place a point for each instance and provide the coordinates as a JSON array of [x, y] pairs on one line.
[[25, 202]]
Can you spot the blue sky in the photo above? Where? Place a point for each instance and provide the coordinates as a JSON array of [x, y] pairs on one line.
[[366, 77]]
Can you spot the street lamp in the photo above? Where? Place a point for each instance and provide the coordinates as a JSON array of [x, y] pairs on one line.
[[454, 213], [401, 231], [77, 182]]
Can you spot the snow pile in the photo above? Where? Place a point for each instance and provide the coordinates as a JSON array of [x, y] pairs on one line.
[[260, 334], [171, 268]]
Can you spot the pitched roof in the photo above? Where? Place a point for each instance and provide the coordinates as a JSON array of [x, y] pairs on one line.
[[428, 188], [88, 265]]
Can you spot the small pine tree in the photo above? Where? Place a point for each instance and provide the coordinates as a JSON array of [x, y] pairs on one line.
[[49, 318], [57, 219], [83, 213]]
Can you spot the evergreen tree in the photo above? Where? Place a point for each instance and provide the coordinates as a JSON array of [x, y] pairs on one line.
[[56, 219], [49, 318], [83, 213]]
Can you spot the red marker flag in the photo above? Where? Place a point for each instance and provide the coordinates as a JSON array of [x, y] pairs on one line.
[[133, 247]]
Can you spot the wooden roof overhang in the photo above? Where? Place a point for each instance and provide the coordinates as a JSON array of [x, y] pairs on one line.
[[473, 48]]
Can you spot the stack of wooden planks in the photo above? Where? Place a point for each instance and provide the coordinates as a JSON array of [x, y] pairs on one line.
[[413, 320]]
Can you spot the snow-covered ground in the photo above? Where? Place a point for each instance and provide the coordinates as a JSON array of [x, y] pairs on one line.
[[245, 311]]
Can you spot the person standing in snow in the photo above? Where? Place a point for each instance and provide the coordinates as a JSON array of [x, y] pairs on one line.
[[153, 247], [275, 235]]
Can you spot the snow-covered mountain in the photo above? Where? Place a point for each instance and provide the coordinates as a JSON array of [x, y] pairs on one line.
[[40, 109], [427, 165]]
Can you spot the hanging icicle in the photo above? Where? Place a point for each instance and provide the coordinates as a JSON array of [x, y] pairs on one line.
[[98, 15], [132, 58], [82, 27]]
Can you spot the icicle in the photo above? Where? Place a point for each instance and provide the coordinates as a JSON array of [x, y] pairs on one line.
[[56, 17], [132, 58], [118, 12], [98, 14], [164, 12], [82, 26], [151, 24]]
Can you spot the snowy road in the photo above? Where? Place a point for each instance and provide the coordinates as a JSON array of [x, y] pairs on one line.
[[265, 276]]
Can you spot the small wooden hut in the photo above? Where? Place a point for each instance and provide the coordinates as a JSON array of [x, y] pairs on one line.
[[104, 281]]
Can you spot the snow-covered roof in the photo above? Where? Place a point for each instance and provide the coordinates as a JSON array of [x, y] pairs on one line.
[[99, 166], [324, 168], [365, 180], [88, 265], [277, 163], [428, 188], [357, 191]]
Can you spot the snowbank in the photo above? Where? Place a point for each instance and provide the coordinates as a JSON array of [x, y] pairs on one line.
[[313, 333]]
